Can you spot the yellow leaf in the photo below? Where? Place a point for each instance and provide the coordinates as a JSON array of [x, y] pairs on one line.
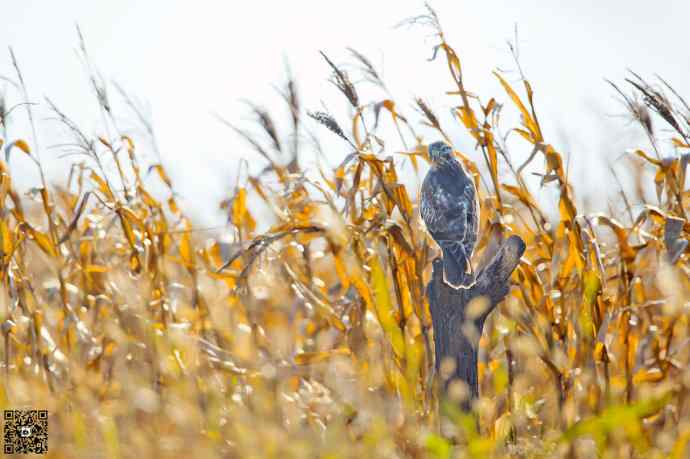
[[172, 204], [214, 254], [600, 354], [679, 143], [644, 155], [489, 107], [453, 59], [103, 186], [134, 263], [500, 376], [309, 358], [528, 120], [493, 157], [390, 106], [370, 212], [592, 286], [147, 198], [574, 258], [384, 308], [162, 174], [341, 271], [396, 232], [6, 243], [44, 242], [241, 217], [648, 375], [105, 142], [22, 145], [130, 143], [566, 208], [469, 120], [526, 135], [627, 252], [127, 228], [403, 200], [96, 269], [186, 251], [415, 356], [129, 213], [503, 427], [519, 193], [680, 447]]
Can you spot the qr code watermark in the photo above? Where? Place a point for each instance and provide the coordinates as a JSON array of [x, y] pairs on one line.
[[26, 432]]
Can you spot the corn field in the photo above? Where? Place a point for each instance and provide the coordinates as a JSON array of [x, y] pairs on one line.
[[144, 337]]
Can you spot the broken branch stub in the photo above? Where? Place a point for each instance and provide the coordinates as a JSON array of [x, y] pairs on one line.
[[458, 316]]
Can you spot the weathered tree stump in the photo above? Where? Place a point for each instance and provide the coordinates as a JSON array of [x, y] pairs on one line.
[[458, 315]]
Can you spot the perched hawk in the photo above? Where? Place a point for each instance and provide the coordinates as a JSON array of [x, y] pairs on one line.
[[450, 210]]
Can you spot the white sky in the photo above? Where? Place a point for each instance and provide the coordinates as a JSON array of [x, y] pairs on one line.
[[188, 60]]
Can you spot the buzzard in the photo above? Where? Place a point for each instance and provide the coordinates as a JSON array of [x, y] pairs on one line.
[[450, 210]]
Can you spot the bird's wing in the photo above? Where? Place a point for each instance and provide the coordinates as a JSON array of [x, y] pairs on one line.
[[450, 208], [429, 206], [444, 209], [470, 239]]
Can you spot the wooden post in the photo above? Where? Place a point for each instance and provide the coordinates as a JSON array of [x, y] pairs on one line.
[[458, 315]]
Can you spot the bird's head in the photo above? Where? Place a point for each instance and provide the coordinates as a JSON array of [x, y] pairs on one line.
[[440, 152]]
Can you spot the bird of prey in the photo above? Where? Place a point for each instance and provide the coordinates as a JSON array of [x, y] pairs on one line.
[[450, 210]]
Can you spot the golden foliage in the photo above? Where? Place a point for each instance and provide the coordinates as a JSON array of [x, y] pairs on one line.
[[315, 338]]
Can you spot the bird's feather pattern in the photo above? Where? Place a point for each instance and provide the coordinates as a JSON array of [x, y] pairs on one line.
[[450, 210]]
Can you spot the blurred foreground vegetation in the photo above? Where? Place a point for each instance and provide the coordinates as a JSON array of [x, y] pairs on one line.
[[143, 337]]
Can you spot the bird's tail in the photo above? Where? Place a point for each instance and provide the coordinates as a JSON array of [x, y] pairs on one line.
[[457, 271]]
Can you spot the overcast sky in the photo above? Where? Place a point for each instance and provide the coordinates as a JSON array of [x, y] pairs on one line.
[[188, 60]]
